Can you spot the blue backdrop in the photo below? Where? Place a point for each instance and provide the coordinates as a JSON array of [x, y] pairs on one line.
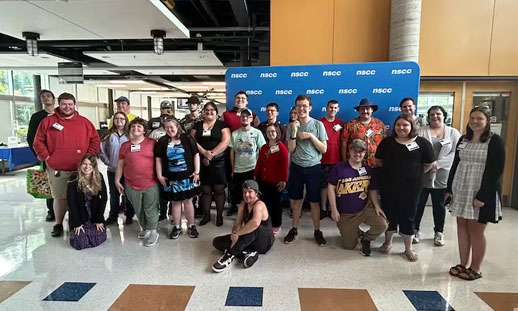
[[385, 83]]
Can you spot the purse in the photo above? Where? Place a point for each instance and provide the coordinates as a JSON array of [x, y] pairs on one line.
[[38, 183]]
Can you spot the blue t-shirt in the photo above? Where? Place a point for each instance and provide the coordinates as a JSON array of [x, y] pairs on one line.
[[176, 157], [352, 186]]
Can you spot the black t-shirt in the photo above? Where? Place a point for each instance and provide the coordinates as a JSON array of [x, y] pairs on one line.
[[209, 140], [402, 169]]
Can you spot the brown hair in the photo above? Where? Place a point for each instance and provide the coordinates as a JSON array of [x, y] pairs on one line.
[[113, 129], [174, 120], [413, 130], [94, 186], [487, 131], [277, 130], [140, 121], [66, 96]]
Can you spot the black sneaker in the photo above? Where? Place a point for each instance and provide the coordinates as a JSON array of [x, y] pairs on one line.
[[162, 217], [57, 230], [232, 210], [250, 259], [319, 237], [128, 221], [290, 237], [323, 214], [223, 263], [50, 217], [110, 221], [193, 233], [175, 232], [366, 247], [219, 221]]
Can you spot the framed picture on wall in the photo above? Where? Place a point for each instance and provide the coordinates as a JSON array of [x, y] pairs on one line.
[[181, 103]]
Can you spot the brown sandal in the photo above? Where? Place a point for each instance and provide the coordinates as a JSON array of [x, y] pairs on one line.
[[457, 269], [411, 255], [470, 275]]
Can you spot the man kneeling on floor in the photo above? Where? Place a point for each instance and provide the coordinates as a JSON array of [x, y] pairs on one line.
[[353, 199], [252, 232]]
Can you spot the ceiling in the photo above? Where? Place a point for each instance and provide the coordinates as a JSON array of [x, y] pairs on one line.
[[112, 38]]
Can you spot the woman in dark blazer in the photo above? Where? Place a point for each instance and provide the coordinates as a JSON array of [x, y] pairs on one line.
[[86, 200]]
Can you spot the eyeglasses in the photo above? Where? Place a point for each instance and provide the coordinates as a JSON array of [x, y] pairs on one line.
[[271, 110], [209, 110], [119, 119]]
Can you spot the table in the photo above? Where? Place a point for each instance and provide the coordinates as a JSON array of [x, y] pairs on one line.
[[17, 156]]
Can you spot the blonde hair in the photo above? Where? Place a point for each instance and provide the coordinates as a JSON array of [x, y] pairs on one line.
[[94, 186]]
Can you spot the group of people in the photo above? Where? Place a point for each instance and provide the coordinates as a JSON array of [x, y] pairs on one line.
[[355, 172]]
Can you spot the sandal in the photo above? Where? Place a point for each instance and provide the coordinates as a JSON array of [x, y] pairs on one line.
[[385, 248], [469, 275], [457, 269], [410, 255]]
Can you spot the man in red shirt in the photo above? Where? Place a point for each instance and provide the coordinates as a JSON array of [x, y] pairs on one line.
[[231, 117], [62, 139], [333, 126]]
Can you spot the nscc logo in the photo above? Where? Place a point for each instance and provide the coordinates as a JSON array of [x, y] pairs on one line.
[[395, 108], [254, 92], [380, 90], [238, 75], [401, 71], [365, 72], [347, 91], [298, 74], [315, 91], [331, 73], [283, 92], [268, 75]]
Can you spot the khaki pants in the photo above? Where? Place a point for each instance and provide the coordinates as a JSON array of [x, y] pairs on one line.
[[349, 223], [58, 184], [145, 203]]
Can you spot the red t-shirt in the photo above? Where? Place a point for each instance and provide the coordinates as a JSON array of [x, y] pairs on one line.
[[333, 130], [139, 165], [233, 120]]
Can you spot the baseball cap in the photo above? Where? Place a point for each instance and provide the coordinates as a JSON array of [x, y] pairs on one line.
[[122, 99], [165, 104], [358, 144], [247, 111], [193, 100], [251, 184]]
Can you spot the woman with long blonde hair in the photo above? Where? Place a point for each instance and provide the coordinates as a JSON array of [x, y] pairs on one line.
[[86, 200]]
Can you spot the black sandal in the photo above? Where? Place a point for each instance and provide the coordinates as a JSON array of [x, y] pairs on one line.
[[469, 275], [455, 271]]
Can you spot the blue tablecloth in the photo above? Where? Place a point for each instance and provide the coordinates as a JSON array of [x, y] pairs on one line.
[[18, 156]]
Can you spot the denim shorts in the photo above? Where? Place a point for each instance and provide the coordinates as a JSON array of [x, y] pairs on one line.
[[300, 176]]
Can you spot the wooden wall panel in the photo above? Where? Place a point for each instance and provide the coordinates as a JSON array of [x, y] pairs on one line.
[[504, 45], [455, 37], [361, 32], [301, 32]]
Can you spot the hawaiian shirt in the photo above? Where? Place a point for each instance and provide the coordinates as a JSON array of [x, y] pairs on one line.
[[188, 122], [372, 133]]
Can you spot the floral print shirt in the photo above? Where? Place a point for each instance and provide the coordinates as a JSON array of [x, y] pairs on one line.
[[372, 133]]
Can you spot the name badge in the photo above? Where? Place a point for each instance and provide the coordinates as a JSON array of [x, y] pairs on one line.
[[238, 113], [337, 127], [462, 145], [369, 133], [58, 126], [206, 133], [156, 124], [135, 148], [274, 149], [362, 171], [412, 146], [444, 142]]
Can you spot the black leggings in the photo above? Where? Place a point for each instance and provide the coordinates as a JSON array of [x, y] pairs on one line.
[[208, 193], [260, 240], [272, 199]]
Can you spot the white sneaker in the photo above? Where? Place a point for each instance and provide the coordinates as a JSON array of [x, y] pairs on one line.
[[416, 238], [438, 240], [143, 234], [152, 240]]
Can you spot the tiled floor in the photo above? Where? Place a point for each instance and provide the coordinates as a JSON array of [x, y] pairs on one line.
[[291, 277]]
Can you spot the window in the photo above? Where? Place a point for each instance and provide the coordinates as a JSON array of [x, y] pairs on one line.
[[23, 83], [4, 82], [427, 100]]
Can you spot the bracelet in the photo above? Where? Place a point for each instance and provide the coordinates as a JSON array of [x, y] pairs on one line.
[[293, 138]]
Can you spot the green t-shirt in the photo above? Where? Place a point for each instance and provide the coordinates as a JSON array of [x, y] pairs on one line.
[[306, 154], [246, 145]]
